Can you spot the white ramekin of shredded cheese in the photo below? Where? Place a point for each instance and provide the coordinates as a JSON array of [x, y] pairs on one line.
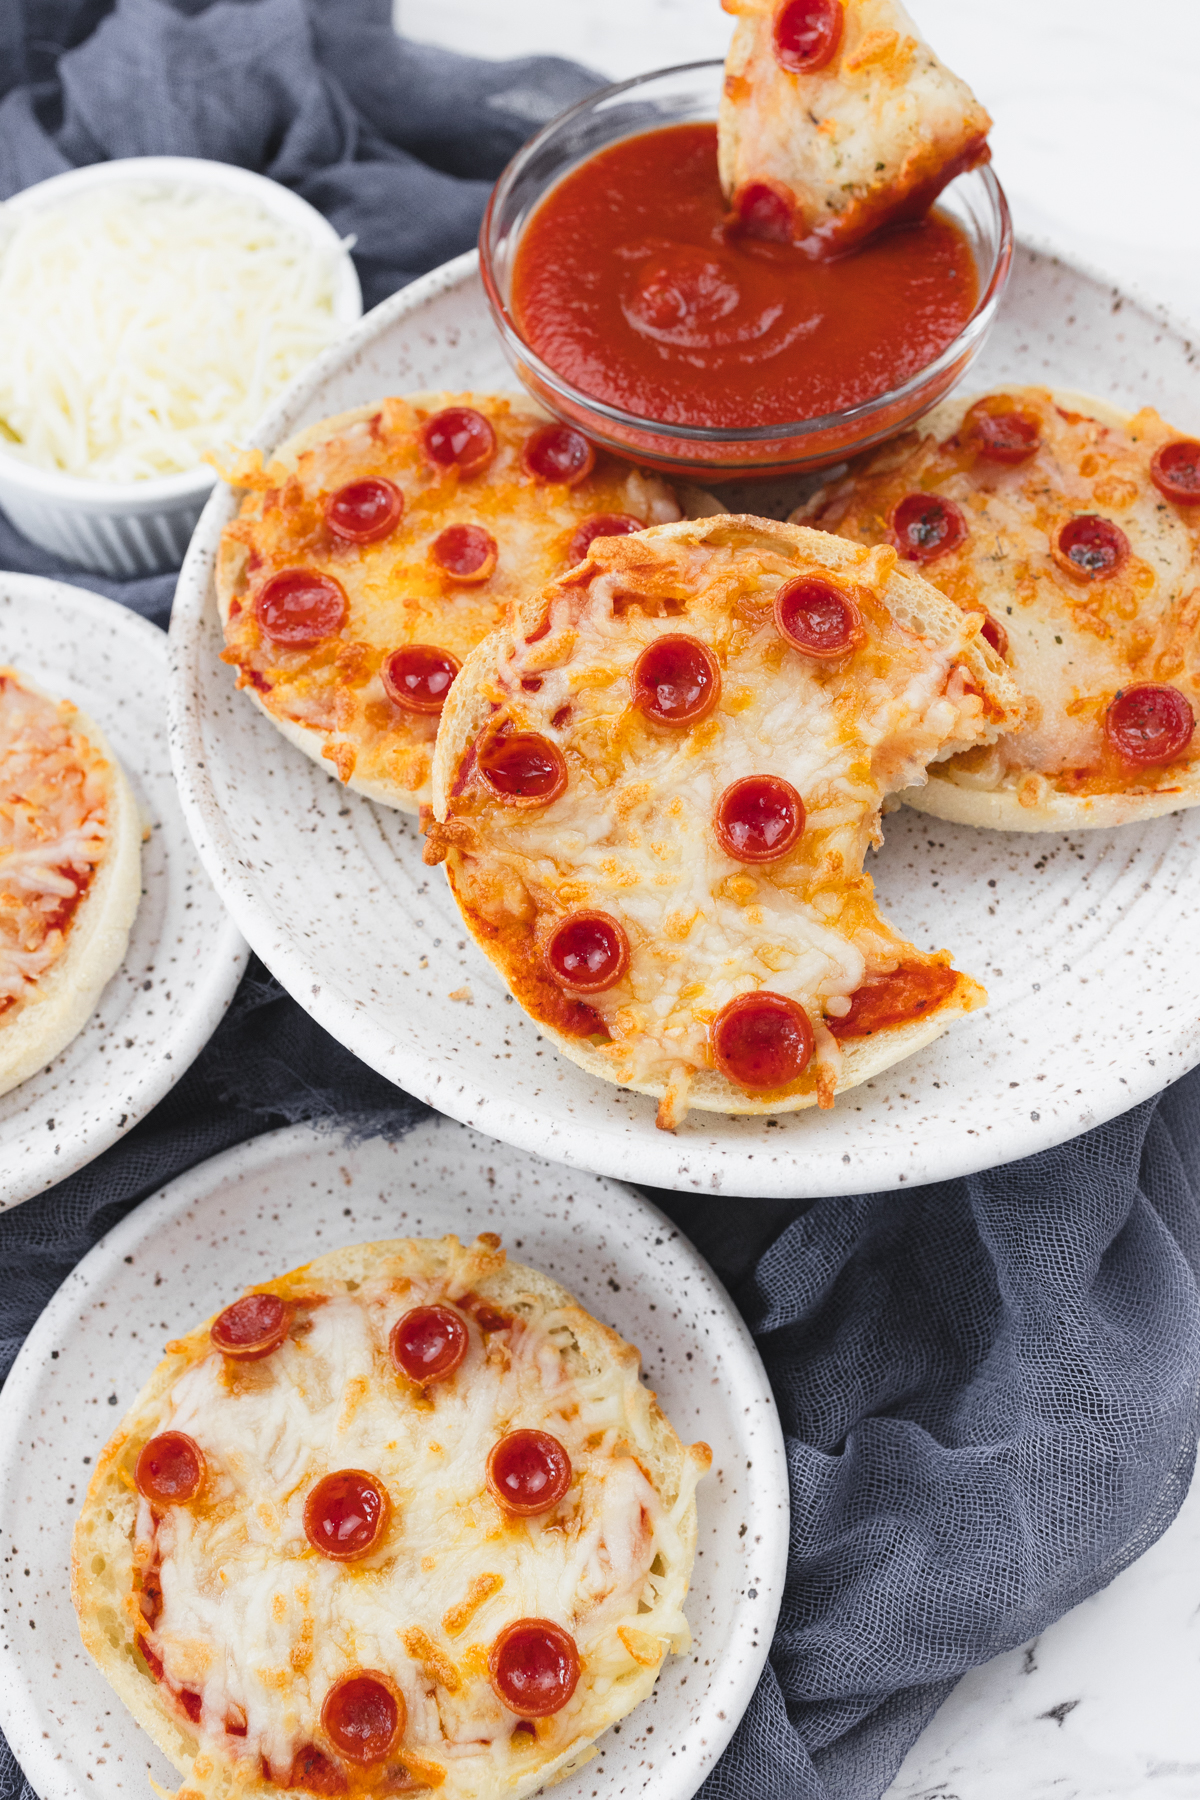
[[152, 308]]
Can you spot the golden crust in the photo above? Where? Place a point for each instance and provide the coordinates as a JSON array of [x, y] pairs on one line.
[[65, 997], [103, 1574], [330, 701], [463, 841], [1071, 646]]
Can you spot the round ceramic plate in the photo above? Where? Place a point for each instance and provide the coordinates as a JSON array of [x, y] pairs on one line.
[[1072, 936], [185, 953], [272, 1204]]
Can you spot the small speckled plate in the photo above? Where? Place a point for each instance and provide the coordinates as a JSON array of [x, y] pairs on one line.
[[269, 1206], [185, 953], [1089, 945]]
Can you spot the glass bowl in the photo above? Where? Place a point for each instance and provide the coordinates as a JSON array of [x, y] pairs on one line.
[[975, 202]]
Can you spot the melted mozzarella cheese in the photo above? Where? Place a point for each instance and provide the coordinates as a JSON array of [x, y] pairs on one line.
[[1071, 644], [55, 791], [396, 591], [852, 142], [632, 833], [260, 1626]]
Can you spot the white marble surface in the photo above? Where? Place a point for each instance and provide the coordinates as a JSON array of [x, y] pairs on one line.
[[1105, 1705], [1097, 139]]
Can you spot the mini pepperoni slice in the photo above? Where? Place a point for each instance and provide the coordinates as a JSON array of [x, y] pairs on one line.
[[761, 1040], [759, 818], [170, 1469], [816, 619], [252, 1327], [587, 952], [364, 511], [807, 34], [523, 768], [364, 1716], [1000, 431], [459, 438], [1090, 548], [346, 1515], [925, 526], [1175, 471], [534, 1667], [601, 525], [1149, 726], [418, 677], [429, 1342], [559, 453], [992, 632], [465, 552], [761, 211], [528, 1472], [676, 680], [299, 607]]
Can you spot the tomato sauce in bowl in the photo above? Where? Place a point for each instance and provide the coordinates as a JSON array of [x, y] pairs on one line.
[[629, 283]]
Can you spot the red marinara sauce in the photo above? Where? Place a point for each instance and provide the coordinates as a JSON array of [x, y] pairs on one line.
[[628, 283]]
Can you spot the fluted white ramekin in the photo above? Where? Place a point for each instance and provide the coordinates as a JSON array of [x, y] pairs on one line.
[[133, 528]]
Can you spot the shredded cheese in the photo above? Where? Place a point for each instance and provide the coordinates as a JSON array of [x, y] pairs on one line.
[[146, 324]]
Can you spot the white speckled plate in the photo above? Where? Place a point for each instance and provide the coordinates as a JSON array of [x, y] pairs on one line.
[[185, 953], [270, 1205], [1089, 946]]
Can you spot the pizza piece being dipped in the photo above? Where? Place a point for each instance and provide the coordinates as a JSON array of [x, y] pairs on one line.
[[70, 873], [404, 1519], [1073, 531], [377, 548], [655, 788], [836, 119]]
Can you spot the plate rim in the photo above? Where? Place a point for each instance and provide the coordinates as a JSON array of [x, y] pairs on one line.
[[752, 1172], [20, 1721], [157, 1075]]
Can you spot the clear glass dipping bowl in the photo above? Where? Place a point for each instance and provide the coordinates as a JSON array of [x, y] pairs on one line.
[[975, 202]]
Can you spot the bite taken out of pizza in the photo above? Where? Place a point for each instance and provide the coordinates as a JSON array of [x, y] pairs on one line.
[[70, 873], [377, 548], [403, 1520], [654, 790], [837, 119], [1073, 529]]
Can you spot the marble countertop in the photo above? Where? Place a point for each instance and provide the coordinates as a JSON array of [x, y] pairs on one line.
[[1097, 138]]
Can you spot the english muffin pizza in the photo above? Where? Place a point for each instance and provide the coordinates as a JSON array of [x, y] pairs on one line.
[[837, 118], [1073, 530], [70, 873], [376, 549], [654, 790], [403, 1519]]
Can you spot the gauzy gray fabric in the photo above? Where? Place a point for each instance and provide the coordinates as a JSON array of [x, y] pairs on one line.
[[988, 1387]]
